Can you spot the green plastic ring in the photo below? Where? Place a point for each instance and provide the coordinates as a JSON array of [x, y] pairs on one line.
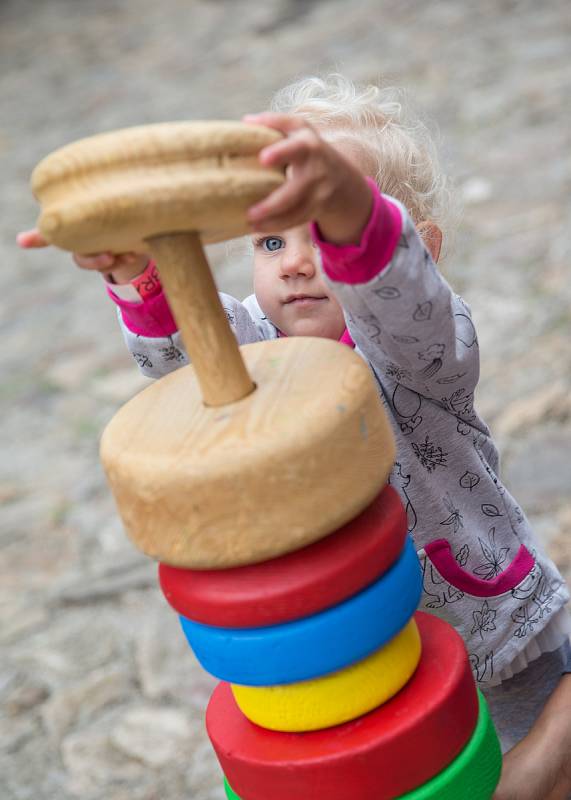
[[474, 773], [230, 793]]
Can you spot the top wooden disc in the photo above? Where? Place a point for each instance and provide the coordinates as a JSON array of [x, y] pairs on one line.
[[114, 190], [213, 487]]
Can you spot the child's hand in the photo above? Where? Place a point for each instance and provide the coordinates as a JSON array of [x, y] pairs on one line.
[[122, 268], [322, 184], [539, 767]]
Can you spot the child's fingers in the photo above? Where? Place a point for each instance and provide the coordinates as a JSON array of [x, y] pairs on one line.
[[280, 201], [297, 214], [97, 261], [292, 150], [31, 238], [284, 123], [106, 262]]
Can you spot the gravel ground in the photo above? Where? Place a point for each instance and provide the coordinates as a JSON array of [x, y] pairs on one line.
[[100, 696]]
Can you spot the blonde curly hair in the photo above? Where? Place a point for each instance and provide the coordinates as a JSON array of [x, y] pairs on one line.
[[402, 146]]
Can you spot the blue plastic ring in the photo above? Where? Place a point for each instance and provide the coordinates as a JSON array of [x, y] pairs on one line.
[[315, 645]]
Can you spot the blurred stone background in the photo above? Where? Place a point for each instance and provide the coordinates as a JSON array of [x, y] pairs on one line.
[[100, 695]]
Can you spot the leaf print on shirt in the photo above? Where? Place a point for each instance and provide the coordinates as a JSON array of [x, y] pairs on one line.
[[530, 614], [388, 292], [462, 428], [423, 312], [437, 590], [397, 373], [143, 360], [432, 354], [407, 404], [171, 353], [372, 330], [543, 597], [450, 378], [401, 339], [431, 369], [433, 351], [230, 315], [528, 587], [494, 557], [460, 403], [455, 518], [483, 672], [525, 617], [469, 480], [462, 555], [484, 620], [465, 330], [490, 510], [403, 481], [430, 455]]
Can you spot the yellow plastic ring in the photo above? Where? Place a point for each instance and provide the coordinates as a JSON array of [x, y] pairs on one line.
[[336, 698]]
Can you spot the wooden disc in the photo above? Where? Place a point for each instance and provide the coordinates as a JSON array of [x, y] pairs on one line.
[[210, 488], [337, 698], [317, 645], [114, 190], [298, 584], [382, 755]]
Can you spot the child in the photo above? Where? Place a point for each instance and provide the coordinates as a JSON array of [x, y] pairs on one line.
[[364, 273]]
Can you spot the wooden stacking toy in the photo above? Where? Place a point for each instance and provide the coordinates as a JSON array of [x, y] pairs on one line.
[[258, 478]]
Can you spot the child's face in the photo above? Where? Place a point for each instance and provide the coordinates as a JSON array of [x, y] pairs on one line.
[[287, 276], [289, 286]]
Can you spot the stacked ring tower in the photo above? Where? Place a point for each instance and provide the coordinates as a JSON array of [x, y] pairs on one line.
[[257, 477]]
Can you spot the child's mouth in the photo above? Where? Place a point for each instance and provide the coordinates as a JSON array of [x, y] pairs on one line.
[[304, 300]]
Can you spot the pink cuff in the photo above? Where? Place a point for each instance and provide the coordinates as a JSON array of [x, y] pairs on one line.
[[361, 263], [152, 317]]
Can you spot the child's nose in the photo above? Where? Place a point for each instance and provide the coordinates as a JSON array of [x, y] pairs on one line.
[[299, 261]]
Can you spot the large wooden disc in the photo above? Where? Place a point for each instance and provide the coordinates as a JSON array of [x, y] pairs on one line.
[[382, 755], [297, 584], [115, 190], [205, 487]]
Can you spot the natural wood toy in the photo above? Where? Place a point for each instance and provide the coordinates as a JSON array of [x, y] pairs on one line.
[[204, 463], [257, 476]]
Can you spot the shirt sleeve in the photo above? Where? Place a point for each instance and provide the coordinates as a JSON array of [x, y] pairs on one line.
[[153, 339], [402, 315]]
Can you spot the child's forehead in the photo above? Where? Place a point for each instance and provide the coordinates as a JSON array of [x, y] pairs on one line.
[[299, 232]]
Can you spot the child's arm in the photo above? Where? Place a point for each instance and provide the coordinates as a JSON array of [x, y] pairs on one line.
[[539, 767], [147, 324], [400, 311], [322, 184]]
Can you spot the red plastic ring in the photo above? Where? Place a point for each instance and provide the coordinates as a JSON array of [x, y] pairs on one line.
[[298, 584], [383, 754]]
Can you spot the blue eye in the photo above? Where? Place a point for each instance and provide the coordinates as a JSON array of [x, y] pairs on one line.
[[272, 243]]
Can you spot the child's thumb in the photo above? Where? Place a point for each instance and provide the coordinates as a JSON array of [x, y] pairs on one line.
[[31, 238]]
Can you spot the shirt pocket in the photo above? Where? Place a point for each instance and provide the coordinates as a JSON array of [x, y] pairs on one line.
[[487, 613]]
